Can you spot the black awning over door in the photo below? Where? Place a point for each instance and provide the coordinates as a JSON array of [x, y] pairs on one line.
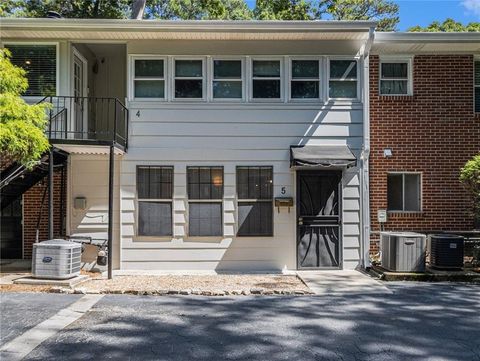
[[322, 156]]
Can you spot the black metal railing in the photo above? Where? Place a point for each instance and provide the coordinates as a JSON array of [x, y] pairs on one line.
[[87, 118]]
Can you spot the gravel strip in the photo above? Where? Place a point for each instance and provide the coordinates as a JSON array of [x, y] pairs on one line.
[[215, 285]]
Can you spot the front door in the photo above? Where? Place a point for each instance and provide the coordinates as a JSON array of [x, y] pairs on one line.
[[11, 231], [80, 105], [318, 219]]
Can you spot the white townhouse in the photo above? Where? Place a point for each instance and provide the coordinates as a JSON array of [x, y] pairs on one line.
[[238, 145]]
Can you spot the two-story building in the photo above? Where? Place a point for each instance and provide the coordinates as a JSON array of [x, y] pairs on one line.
[[424, 126], [238, 145]]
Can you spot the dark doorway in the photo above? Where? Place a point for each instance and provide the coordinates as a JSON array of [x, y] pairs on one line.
[[12, 230], [318, 219]]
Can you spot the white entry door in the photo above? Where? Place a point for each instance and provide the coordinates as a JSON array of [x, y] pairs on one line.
[[79, 103]]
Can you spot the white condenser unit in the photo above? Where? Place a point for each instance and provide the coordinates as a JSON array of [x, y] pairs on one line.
[[56, 259], [403, 251]]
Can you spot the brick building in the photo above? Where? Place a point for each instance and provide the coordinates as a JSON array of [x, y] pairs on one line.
[[423, 128]]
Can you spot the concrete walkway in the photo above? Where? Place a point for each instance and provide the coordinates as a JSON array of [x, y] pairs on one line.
[[342, 282]]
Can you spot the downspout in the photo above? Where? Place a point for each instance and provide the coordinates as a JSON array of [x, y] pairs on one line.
[[364, 180]]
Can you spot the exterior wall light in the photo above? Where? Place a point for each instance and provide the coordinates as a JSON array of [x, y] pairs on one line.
[[387, 152]]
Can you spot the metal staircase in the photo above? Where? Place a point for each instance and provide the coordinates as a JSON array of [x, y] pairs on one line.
[[16, 179]]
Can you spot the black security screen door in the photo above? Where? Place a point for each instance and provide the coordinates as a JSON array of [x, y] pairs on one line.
[[319, 220]]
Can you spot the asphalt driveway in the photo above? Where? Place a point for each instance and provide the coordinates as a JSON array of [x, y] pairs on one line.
[[21, 311], [415, 322]]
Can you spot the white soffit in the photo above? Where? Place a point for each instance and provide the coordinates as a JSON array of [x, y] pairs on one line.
[[87, 149], [426, 43], [118, 30]]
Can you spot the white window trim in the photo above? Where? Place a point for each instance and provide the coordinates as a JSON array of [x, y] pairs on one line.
[[212, 79], [138, 236], [357, 79], [281, 77], [204, 77], [475, 86], [420, 174], [320, 79], [248, 200], [216, 200], [57, 63], [397, 59], [131, 77]]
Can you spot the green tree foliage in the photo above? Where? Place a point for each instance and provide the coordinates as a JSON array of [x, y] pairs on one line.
[[284, 10], [385, 12], [198, 9], [22, 126], [470, 177], [111, 9], [449, 25]]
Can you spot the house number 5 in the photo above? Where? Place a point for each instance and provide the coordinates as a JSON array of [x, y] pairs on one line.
[[283, 190]]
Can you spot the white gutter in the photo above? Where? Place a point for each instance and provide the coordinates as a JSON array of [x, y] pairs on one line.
[[421, 37], [364, 179], [185, 25]]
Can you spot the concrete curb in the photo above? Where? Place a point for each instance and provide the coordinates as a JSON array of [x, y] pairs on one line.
[[21, 346]]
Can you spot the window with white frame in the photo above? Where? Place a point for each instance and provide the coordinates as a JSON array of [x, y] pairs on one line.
[[154, 195], [189, 78], [266, 79], [227, 79], [305, 79], [205, 198], [255, 201], [395, 77], [477, 86], [343, 81], [404, 192], [40, 63], [149, 78]]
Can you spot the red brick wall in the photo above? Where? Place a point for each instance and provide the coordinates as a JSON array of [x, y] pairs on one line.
[[32, 200], [434, 131]]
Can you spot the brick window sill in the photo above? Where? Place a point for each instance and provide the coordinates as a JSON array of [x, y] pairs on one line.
[[406, 97], [397, 215]]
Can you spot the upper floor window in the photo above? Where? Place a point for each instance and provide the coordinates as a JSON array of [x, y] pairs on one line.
[[305, 79], [395, 77], [189, 79], [266, 79], [343, 79], [477, 86], [404, 192], [40, 62], [227, 79], [154, 193], [149, 78]]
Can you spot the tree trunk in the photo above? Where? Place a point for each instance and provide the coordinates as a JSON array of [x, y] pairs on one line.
[[138, 8]]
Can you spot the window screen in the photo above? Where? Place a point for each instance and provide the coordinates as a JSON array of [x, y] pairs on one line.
[[154, 193], [227, 79], [394, 78], [404, 192], [149, 78], [255, 201], [305, 82], [205, 194], [189, 79], [343, 79], [266, 79], [40, 62], [477, 86]]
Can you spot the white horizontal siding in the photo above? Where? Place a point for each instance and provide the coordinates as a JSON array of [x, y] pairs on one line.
[[230, 135]]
